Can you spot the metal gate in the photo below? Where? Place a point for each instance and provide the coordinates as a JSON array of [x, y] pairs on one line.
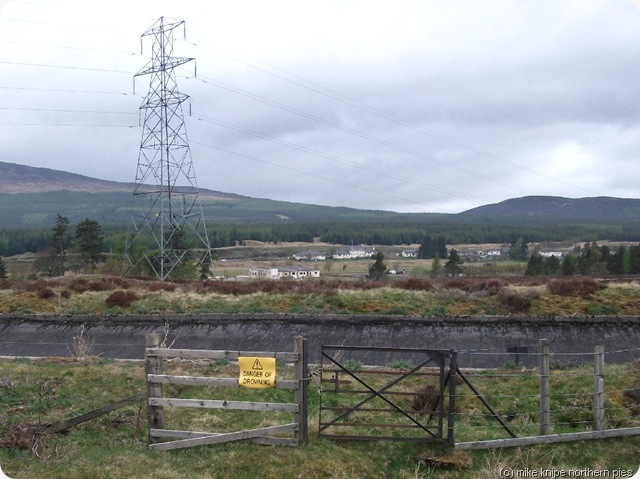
[[408, 396]]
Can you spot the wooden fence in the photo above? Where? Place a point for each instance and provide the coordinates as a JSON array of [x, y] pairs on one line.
[[154, 357]]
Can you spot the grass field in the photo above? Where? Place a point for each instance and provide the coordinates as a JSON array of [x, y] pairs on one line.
[[36, 393]]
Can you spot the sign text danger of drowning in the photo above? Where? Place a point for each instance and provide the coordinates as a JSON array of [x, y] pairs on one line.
[[257, 373]]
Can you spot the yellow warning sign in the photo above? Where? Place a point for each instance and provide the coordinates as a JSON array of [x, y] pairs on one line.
[[257, 373]]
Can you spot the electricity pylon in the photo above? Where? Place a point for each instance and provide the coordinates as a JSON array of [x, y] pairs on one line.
[[169, 229]]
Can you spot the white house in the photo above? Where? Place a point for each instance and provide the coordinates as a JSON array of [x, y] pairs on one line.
[[264, 272], [310, 256], [355, 252], [549, 254], [409, 253]]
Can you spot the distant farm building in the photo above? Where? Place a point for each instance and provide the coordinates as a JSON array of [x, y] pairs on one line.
[[409, 253], [283, 272]]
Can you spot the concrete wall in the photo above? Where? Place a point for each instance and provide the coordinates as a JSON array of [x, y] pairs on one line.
[[483, 341]]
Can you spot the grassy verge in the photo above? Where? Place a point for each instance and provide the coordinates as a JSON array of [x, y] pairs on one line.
[[401, 296], [33, 393]]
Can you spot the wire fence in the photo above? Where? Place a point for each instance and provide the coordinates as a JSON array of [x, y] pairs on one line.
[[541, 392]]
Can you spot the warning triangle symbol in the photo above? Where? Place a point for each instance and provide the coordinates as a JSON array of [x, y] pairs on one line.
[[256, 365]]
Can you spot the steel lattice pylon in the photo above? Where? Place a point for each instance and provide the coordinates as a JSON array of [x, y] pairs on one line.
[[170, 232]]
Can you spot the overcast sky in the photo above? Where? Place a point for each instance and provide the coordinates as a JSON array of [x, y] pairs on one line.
[[411, 105]]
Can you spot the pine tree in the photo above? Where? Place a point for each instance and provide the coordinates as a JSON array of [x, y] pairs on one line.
[[453, 265], [90, 241], [3, 268], [427, 248], [519, 250], [535, 266], [569, 265], [441, 247], [436, 266], [60, 241], [378, 269]]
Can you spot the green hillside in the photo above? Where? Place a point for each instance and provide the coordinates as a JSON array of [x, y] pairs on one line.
[[115, 207]]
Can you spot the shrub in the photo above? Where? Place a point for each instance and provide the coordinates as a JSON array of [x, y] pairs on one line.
[[46, 293], [79, 285], [488, 286], [514, 302], [99, 285], [579, 287], [415, 284], [161, 286], [121, 298]]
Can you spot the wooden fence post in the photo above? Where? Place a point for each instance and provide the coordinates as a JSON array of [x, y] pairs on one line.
[[153, 365], [301, 397], [545, 389], [453, 367], [598, 384]]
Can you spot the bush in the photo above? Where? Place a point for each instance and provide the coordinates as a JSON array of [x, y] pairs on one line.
[[514, 302], [579, 287], [161, 286], [415, 284], [121, 298], [488, 286], [79, 285], [46, 293]]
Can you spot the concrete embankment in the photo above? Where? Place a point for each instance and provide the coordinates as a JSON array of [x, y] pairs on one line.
[[483, 341]]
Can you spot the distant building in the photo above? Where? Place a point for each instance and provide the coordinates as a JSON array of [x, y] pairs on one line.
[[409, 253], [263, 273], [310, 256], [355, 252], [549, 254], [279, 272]]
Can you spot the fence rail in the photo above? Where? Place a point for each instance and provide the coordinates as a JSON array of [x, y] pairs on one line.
[[157, 402]]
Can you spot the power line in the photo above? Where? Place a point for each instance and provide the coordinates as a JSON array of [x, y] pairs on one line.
[[68, 124], [49, 45], [67, 67], [333, 158], [57, 110], [313, 175], [62, 90], [82, 27], [356, 133], [317, 89], [337, 96]]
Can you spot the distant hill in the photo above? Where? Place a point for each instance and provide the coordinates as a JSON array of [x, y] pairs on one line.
[[32, 197], [598, 209], [16, 178]]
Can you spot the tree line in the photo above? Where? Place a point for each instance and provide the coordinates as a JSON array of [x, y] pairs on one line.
[[589, 259], [456, 231]]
